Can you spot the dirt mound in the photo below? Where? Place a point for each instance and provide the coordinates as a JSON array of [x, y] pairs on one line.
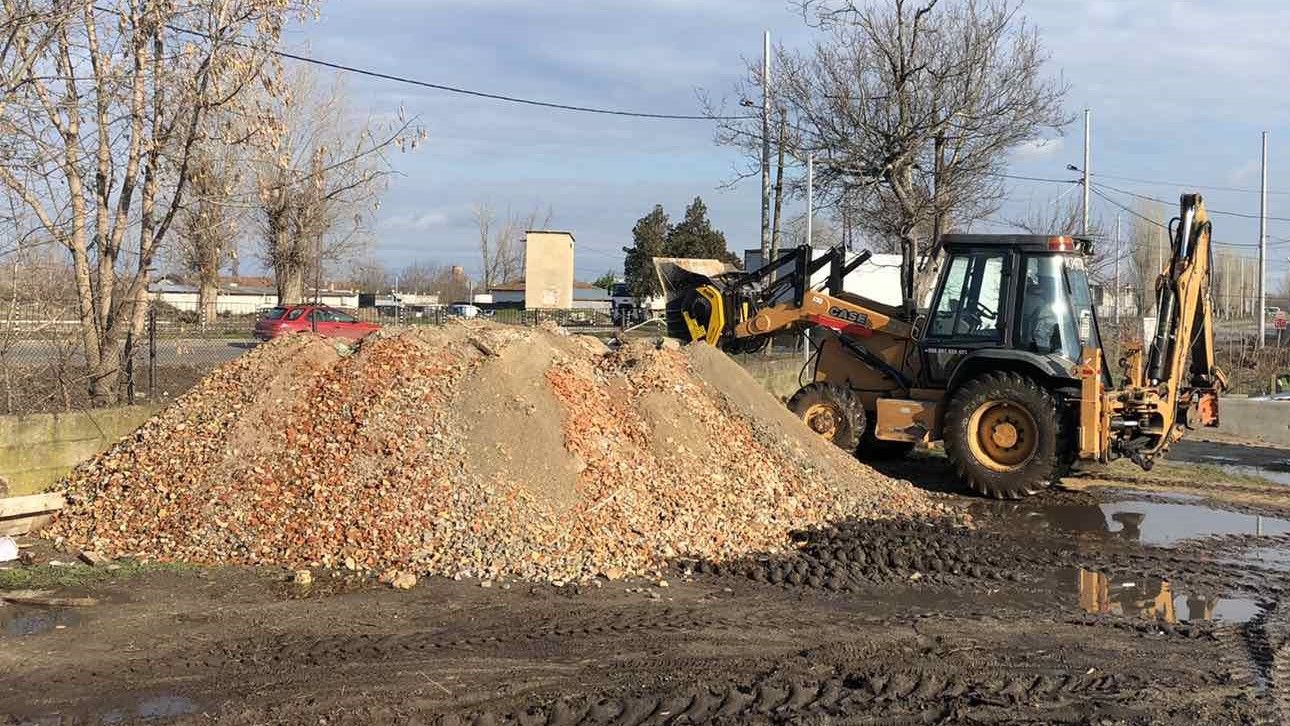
[[476, 450]]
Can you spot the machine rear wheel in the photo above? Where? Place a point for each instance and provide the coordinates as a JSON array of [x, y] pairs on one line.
[[831, 411], [1005, 435]]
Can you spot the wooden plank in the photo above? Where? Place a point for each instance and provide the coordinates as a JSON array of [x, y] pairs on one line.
[[31, 504], [46, 598], [25, 524]]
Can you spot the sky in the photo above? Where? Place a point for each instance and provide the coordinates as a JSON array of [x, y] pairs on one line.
[[1179, 92]]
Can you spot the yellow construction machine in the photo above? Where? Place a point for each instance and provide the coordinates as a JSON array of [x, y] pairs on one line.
[[1006, 366]]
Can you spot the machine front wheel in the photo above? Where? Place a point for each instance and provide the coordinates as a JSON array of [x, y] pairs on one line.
[[1005, 434], [831, 411]]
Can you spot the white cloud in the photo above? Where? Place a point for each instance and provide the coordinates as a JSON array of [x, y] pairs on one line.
[[1036, 149], [416, 221]]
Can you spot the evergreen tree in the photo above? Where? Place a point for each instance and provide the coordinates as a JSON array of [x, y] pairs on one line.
[[606, 281], [649, 240], [695, 237]]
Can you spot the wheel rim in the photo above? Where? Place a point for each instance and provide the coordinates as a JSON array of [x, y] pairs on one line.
[[1002, 435], [823, 418]]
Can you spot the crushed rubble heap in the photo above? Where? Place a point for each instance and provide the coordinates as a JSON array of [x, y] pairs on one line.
[[473, 450]]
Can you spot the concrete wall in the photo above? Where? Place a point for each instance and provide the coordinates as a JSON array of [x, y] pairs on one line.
[[39, 449], [548, 270], [1264, 421]]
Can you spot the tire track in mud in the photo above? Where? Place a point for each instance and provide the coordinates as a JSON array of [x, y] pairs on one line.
[[329, 650], [1267, 640], [925, 694], [850, 556]]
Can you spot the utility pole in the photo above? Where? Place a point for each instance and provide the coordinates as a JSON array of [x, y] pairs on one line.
[[1263, 244], [810, 199], [1118, 290], [765, 148], [1088, 160]]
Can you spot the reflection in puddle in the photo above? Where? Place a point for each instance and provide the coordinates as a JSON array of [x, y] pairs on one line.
[[1151, 523], [1155, 599], [22, 620]]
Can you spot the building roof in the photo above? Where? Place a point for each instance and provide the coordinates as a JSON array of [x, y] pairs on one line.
[[549, 231], [581, 290]]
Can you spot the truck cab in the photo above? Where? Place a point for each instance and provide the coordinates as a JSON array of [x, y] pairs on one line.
[[1012, 302]]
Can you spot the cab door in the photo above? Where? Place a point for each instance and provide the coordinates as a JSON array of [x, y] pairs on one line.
[[969, 310]]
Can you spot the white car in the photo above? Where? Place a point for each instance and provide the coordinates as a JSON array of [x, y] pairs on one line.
[[463, 310]]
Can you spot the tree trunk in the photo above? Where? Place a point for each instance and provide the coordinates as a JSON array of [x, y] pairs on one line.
[[105, 374], [291, 284], [207, 292]]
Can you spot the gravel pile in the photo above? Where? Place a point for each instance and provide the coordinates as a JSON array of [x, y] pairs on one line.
[[472, 450]]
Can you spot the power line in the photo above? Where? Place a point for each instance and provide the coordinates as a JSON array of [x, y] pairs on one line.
[[1097, 189], [1159, 182], [451, 89], [1148, 197]]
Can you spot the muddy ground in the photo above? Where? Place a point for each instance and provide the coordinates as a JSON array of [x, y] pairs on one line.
[[1122, 598]]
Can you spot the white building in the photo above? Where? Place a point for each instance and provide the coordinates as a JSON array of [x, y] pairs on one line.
[[241, 296], [585, 295]]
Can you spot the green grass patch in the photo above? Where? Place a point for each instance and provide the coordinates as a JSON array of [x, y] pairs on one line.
[[52, 577]]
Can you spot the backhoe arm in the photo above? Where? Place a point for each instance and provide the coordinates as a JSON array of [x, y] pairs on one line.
[[1153, 410]]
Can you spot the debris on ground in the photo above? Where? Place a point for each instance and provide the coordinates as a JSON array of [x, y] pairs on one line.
[[8, 549], [471, 450], [94, 559]]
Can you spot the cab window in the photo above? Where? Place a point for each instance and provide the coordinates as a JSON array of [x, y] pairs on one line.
[[1047, 323], [969, 302]]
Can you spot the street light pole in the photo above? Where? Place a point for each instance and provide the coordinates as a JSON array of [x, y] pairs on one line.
[[1263, 245], [810, 199], [1118, 291], [1088, 160], [765, 148]]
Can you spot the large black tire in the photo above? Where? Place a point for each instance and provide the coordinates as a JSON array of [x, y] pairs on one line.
[[873, 448], [1006, 435], [831, 411]]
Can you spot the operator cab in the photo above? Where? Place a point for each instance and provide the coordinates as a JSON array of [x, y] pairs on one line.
[[1026, 298]]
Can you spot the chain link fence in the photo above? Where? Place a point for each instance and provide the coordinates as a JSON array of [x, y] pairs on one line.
[[42, 362], [43, 365]]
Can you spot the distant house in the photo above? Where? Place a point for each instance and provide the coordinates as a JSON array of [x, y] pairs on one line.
[[585, 296], [241, 295]]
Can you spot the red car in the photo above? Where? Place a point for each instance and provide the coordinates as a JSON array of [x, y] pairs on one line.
[[324, 320]]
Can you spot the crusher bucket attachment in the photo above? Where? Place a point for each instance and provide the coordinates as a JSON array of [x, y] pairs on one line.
[[695, 300]]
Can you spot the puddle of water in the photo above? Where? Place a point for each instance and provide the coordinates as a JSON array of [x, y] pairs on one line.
[[22, 620], [1152, 598], [1275, 558], [154, 707], [1151, 523], [1273, 475]]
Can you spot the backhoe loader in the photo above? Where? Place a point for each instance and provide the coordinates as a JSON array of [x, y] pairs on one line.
[[1005, 367]]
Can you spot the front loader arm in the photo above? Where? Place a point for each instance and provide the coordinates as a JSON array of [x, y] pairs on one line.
[[733, 309], [853, 316]]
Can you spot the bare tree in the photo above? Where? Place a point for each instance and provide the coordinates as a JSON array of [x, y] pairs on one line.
[[911, 109], [369, 274], [1066, 217], [211, 220], [318, 178], [501, 245], [101, 108], [1149, 246]]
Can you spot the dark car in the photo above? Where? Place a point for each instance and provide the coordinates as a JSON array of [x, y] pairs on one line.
[[321, 319]]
